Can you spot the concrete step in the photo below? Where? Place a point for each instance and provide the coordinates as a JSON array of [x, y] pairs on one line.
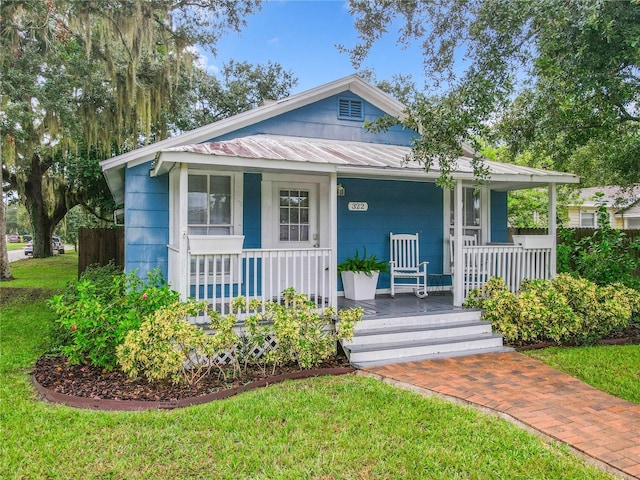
[[395, 352], [437, 318], [433, 356], [410, 333]]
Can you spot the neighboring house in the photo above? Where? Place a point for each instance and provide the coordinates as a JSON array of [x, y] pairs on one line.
[[279, 195], [623, 207]]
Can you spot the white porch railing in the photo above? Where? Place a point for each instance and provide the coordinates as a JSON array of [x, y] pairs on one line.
[[512, 263], [261, 274]]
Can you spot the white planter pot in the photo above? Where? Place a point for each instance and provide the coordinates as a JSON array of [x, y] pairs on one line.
[[359, 286]]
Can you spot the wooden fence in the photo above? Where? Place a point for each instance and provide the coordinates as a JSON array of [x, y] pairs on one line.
[[100, 246]]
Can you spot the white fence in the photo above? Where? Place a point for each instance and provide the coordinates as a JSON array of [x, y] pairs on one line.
[[261, 274], [512, 263]]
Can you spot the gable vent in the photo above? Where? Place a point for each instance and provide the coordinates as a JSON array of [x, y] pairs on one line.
[[350, 109]]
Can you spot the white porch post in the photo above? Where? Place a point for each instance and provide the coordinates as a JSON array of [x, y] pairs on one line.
[[458, 276], [183, 242], [552, 228], [333, 267]]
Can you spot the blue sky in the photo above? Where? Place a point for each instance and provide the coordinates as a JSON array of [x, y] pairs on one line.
[[302, 35]]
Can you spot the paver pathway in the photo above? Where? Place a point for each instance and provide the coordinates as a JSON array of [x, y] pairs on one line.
[[595, 423]]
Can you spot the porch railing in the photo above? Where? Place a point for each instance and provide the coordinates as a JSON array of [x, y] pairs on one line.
[[261, 274], [512, 263]]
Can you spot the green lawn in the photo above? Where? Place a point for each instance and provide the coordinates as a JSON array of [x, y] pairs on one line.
[[15, 246], [329, 428], [613, 369]]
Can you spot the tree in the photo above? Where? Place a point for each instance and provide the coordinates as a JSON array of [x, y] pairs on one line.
[[84, 80], [559, 78]]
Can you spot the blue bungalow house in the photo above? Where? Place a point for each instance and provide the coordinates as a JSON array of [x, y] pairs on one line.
[[277, 196]]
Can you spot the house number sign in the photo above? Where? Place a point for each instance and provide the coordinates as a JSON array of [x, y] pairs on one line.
[[358, 206]]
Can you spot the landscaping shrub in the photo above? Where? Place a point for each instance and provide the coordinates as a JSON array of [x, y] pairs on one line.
[[606, 257], [167, 347], [565, 310], [95, 315], [303, 336]]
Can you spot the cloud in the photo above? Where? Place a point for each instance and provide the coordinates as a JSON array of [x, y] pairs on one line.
[[204, 61], [275, 41]]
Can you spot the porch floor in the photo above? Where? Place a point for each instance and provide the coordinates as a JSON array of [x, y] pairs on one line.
[[403, 305]]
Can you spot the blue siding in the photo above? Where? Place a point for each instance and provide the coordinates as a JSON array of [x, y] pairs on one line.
[[394, 206], [252, 212], [499, 217], [320, 120], [147, 220]]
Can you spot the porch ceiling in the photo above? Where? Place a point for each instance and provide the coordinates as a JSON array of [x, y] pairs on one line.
[[267, 152]]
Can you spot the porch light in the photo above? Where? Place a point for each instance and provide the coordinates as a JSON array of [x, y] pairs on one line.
[[340, 190]]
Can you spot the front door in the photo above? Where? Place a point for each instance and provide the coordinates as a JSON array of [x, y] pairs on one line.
[[295, 218], [295, 236]]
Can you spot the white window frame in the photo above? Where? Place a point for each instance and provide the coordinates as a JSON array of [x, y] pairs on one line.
[[481, 232], [594, 214], [236, 183]]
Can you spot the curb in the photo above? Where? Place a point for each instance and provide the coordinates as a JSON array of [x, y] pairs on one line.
[[139, 405]]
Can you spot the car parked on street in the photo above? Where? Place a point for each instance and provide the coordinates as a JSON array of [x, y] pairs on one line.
[[13, 238], [57, 246]]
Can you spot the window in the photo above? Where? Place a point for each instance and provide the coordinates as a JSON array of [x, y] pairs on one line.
[[209, 205], [294, 216], [471, 223], [633, 223], [588, 220], [350, 109]]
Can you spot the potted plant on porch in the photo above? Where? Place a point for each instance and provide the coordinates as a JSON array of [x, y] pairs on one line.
[[360, 275]]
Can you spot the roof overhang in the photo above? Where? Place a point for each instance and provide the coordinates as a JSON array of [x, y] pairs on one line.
[[354, 159]]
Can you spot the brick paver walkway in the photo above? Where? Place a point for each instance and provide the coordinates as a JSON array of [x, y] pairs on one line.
[[595, 423]]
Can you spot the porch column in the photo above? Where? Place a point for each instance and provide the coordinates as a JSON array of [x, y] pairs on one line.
[[458, 275], [552, 228], [333, 267], [183, 193]]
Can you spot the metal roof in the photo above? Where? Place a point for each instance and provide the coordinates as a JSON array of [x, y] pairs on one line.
[[278, 152]]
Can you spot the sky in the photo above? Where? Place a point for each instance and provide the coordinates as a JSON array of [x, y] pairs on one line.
[[302, 36]]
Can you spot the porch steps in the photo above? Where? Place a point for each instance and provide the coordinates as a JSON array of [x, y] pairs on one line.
[[383, 341]]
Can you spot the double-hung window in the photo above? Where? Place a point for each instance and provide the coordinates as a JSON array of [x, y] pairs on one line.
[[210, 205], [471, 215]]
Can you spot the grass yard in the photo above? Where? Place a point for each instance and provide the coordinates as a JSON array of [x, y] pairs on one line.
[[16, 246], [329, 428], [613, 369]]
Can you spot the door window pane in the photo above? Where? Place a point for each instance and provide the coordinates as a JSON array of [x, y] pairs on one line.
[[294, 216]]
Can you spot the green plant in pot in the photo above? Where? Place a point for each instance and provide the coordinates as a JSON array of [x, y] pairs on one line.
[[360, 275]]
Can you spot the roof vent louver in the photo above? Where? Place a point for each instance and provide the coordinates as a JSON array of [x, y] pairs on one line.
[[350, 109]]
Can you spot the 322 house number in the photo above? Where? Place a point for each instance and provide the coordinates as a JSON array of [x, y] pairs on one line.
[[358, 206]]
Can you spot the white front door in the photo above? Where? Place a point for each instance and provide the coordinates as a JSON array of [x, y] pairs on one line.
[[291, 225]]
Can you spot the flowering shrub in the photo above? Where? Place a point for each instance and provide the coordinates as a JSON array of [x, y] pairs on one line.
[[95, 317], [303, 335], [167, 347], [565, 310]]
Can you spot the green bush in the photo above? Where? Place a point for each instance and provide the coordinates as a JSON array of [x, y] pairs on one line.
[[303, 336], [95, 316], [606, 257], [565, 310], [167, 347]]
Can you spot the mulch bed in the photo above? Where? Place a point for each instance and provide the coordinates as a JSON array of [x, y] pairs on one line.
[[86, 386]]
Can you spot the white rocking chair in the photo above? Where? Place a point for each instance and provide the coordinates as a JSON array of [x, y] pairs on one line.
[[405, 264]]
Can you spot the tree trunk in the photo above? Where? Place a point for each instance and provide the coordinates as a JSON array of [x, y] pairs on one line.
[[5, 267], [44, 216]]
